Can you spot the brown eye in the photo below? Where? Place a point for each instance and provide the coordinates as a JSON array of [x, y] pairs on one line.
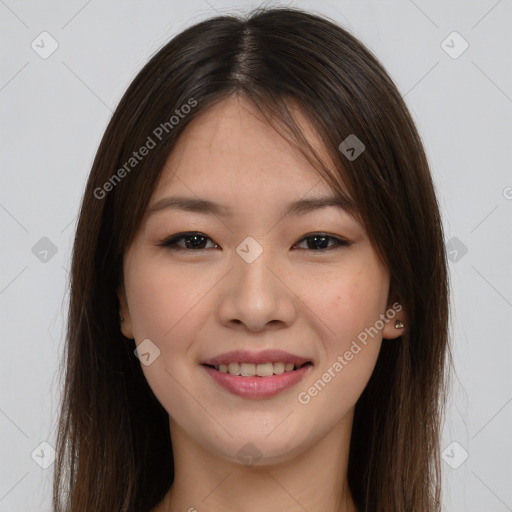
[[320, 242], [191, 241]]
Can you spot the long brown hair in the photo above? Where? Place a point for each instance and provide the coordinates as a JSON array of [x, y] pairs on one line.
[[114, 451]]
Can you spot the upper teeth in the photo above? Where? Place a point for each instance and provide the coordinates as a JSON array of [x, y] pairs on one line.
[[250, 369]]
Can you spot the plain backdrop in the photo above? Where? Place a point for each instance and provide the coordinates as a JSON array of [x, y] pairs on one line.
[[64, 67]]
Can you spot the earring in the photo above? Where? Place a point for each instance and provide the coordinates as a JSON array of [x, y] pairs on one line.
[[121, 319], [399, 324]]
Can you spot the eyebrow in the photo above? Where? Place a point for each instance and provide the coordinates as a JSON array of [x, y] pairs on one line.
[[198, 205]]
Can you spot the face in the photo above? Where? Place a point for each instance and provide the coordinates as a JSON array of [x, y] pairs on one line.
[[231, 288]]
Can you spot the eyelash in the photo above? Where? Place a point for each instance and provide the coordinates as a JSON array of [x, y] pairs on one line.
[[171, 242]]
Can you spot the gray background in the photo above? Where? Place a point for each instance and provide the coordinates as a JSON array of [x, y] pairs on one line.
[[55, 109]]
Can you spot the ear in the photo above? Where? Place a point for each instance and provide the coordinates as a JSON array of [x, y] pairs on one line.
[[394, 313], [124, 313]]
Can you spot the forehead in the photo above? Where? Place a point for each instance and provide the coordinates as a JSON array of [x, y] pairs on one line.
[[230, 148]]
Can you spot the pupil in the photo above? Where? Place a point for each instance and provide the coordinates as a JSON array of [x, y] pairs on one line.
[[322, 239], [195, 244]]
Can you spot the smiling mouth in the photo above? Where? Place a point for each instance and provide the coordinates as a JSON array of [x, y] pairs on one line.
[[257, 370]]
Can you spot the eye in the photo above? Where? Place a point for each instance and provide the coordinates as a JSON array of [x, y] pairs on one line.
[[193, 240], [319, 242]]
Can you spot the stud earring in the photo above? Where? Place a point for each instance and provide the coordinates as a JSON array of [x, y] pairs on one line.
[[399, 324], [121, 319]]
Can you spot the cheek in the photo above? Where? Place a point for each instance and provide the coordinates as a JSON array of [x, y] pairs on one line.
[[166, 308], [350, 309], [351, 303], [153, 305], [162, 302]]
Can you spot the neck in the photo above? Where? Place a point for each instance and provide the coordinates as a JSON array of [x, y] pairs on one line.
[[314, 479]]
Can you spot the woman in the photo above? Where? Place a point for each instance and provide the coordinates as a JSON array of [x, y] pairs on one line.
[[259, 300]]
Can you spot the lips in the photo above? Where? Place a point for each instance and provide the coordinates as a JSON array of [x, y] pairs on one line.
[[264, 356], [239, 372]]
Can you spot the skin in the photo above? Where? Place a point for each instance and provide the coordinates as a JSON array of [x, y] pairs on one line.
[[194, 304]]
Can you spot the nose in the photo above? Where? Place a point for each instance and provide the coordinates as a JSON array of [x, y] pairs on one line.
[[255, 297]]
